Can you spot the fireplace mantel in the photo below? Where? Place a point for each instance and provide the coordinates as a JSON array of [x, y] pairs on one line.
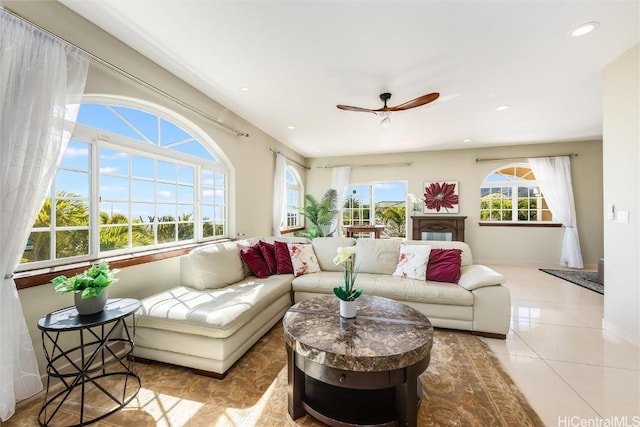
[[451, 225]]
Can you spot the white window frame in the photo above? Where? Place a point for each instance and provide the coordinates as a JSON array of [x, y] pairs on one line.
[[513, 185], [99, 138]]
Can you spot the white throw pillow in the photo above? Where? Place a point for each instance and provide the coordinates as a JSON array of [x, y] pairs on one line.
[[412, 263], [303, 258]]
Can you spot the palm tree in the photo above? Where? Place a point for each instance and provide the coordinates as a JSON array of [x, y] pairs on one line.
[[320, 213]]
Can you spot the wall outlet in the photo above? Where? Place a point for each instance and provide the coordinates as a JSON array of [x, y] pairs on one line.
[[623, 217], [611, 212]]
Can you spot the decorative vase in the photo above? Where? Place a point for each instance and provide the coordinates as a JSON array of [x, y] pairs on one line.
[[92, 305], [416, 213], [348, 309]]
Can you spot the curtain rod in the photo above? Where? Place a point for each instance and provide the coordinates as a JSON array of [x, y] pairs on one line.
[[275, 152], [129, 76], [523, 157], [378, 165]]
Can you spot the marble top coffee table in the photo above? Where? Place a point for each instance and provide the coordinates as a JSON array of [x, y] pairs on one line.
[[361, 371]]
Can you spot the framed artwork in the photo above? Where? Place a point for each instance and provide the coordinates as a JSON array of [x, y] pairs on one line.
[[441, 197]]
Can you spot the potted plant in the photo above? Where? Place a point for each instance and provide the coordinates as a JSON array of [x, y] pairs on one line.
[[347, 293], [320, 214], [89, 287]]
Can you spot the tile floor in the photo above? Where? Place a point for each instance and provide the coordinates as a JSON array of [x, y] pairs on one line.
[[573, 372]]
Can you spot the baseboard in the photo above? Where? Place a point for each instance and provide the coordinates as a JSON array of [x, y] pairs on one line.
[[553, 265], [627, 336]]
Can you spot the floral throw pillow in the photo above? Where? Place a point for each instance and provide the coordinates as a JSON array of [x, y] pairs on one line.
[[303, 258], [412, 263]]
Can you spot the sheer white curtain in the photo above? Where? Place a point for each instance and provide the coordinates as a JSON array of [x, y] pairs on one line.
[[553, 175], [279, 193], [40, 80], [339, 181]]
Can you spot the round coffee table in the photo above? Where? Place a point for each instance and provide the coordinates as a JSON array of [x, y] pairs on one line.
[[361, 371]]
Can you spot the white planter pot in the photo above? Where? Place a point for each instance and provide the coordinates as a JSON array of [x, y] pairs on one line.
[[348, 309]]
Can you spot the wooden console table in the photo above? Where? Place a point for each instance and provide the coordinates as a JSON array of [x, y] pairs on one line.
[[349, 230], [452, 225]]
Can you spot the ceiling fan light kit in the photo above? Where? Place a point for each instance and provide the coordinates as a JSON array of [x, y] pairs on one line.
[[385, 111]]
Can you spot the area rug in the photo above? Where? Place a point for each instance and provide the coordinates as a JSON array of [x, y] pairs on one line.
[[464, 385], [586, 279]]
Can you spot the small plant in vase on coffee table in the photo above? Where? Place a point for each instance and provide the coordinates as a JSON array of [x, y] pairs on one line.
[[89, 287], [347, 293]]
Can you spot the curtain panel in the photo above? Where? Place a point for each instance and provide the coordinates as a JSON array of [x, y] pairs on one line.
[[41, 84], [553, 175], [339, 182], [279, 193]]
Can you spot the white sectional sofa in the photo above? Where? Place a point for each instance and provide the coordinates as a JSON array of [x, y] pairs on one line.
[[220, 310]]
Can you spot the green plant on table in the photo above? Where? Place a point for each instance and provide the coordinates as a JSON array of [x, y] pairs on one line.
[[90, 283], [346, 257]]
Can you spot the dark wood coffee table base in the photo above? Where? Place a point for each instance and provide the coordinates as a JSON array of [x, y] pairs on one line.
[[346, 398]]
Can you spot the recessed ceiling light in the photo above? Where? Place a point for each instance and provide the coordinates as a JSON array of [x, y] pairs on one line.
[[585, 29], [291, 127], [467, 140], [503, 107], [244, 89]]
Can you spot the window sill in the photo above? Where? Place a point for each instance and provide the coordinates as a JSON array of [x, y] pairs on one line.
[[518, 224], [31, 278]]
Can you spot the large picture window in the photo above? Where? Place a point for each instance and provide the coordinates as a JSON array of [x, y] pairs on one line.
[[130, 179], [511, 194]]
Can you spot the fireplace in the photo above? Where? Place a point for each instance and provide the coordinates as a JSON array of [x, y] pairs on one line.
[[436, 227]]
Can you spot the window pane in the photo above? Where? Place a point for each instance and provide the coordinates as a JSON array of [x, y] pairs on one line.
[[38, 247], [114, 162], [112, 238], [73, 184], [185, 231], [170, 133], [113, 188], [167, 171], [114, 213], [142, 167], [72, 243], [76, 155], [185, 175], [166, 233], [72, 213], [142, 190], [143, 122], [194, 148], [142, 235], [143, 212], [207, 212], [166, 212], [102, 117], [185, 212], [166, 192], [185, 194], [207, 229]]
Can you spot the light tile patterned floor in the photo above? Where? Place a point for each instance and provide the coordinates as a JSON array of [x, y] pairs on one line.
[[572, 371]]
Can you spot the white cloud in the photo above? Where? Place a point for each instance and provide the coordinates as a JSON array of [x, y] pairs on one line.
[[76, 152], [165, 194], [108, 170]]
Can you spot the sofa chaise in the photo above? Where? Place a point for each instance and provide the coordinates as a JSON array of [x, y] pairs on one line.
[[220, 309]]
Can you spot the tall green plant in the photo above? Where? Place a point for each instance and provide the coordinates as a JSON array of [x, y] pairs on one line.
[[320, 214]]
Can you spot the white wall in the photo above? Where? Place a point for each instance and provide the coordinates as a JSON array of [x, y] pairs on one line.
[[490, 244], [621, 159]]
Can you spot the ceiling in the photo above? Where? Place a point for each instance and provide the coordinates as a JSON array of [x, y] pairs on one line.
[[299, 59]]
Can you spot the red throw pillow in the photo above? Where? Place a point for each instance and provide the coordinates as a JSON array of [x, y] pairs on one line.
[[444, 265], [269, 254], [252, 256], [283, 258]]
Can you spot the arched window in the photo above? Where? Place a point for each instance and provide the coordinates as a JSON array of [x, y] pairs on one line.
[[133, 177], [511, 194], [294, 199]]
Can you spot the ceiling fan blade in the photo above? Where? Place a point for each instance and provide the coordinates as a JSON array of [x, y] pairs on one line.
[[421, 100], [359, 109]]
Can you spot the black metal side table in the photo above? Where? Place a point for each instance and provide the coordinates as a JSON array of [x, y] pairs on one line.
[[91, 369]]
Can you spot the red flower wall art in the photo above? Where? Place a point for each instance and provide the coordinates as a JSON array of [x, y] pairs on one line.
[[441, 197]]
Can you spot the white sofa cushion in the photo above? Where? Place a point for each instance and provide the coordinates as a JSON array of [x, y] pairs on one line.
[[477, 276], [213, 266], [216, 313], [326, 249], [412, 263], [377, 255]]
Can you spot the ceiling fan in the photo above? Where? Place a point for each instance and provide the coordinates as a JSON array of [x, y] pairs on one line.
[[385, 111]]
